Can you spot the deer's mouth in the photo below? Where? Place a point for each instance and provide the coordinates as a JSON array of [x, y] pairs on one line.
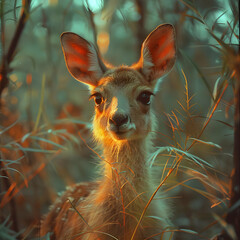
[[121, 133]]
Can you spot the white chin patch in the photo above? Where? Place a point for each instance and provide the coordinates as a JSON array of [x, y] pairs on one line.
[[122, 133]]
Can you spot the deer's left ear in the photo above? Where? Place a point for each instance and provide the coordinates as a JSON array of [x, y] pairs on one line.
[[158, 52]]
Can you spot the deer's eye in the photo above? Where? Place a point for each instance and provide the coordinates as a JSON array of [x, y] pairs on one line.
[[98, 98], [145, 97]]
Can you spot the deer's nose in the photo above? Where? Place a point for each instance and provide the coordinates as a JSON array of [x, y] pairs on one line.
[[119, 119]]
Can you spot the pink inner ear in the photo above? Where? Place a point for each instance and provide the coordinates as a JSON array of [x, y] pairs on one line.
[[161, 47], [77, 56], [166, 52], [82, 50], [73, 59], [81, 58], [162, 39], [158, 52]]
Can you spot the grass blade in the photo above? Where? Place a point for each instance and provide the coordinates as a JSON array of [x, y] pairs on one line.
[[199, 72], [41, 103]]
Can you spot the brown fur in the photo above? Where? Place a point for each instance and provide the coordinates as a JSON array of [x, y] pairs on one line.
[[126, 181], [111, 207]]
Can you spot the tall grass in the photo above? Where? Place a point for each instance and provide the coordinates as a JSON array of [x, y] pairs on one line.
[[45, 127]]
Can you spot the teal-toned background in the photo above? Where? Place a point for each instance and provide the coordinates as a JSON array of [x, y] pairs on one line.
[[42, 125]]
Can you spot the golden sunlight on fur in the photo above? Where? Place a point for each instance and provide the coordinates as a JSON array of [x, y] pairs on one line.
[[123, 127]]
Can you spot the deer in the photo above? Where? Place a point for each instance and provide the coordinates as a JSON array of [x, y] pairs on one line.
[[124, 125]]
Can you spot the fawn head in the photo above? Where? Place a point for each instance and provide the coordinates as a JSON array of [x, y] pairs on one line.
[[122, 94]]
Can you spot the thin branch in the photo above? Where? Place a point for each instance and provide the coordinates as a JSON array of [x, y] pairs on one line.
[[21, 24], [7, 184], [140, 34], [233, 216], [4, 70], [91, 19]]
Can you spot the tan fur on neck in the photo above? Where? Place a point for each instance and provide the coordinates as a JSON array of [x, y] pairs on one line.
[[123, 128]]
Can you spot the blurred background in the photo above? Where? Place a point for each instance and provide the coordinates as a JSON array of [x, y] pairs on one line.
[[45, 117]]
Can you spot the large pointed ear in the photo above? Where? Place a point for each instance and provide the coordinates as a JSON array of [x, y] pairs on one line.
[[158, 52], [82, 59]]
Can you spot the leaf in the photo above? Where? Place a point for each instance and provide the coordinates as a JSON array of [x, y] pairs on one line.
[[199, 161], [215, 89], [201, 192], [73, 120], [71, 136], [156, 217], [188, 231], [5, 221], [48, 141], [206, 143], [38, 150], [8, 161], [40, 109], [209, 181], [232, 30], [234, 206], [186, 89], [191, 7], [7, 128], [196, 159], [25, 137], [196, 18], [220, 121], [221, 43], [14, 170], [29, 149], [229, 228], [224, 33], [156, 153], [215, 22], [50, 131]]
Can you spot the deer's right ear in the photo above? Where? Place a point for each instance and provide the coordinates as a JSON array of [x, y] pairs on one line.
[[82, 59]]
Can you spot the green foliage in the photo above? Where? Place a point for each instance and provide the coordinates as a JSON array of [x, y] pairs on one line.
[[6, 233], [45, 114]]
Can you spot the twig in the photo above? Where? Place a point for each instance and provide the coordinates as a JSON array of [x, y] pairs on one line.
[[233, 216], [21, 24], [7, 184], [141, 6], [91, 19], [4, 70]]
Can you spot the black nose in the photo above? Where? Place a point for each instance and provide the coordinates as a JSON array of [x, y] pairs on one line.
[[118, 119]]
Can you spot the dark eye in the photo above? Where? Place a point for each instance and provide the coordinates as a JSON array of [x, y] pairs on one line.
[[145, 97], [97, 98]]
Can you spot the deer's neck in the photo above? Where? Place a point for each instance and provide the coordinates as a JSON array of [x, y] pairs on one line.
[[127, 158], [126, 171]]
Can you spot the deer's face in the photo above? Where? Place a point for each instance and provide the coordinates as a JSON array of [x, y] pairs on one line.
[[122, 105], [123, 94]]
